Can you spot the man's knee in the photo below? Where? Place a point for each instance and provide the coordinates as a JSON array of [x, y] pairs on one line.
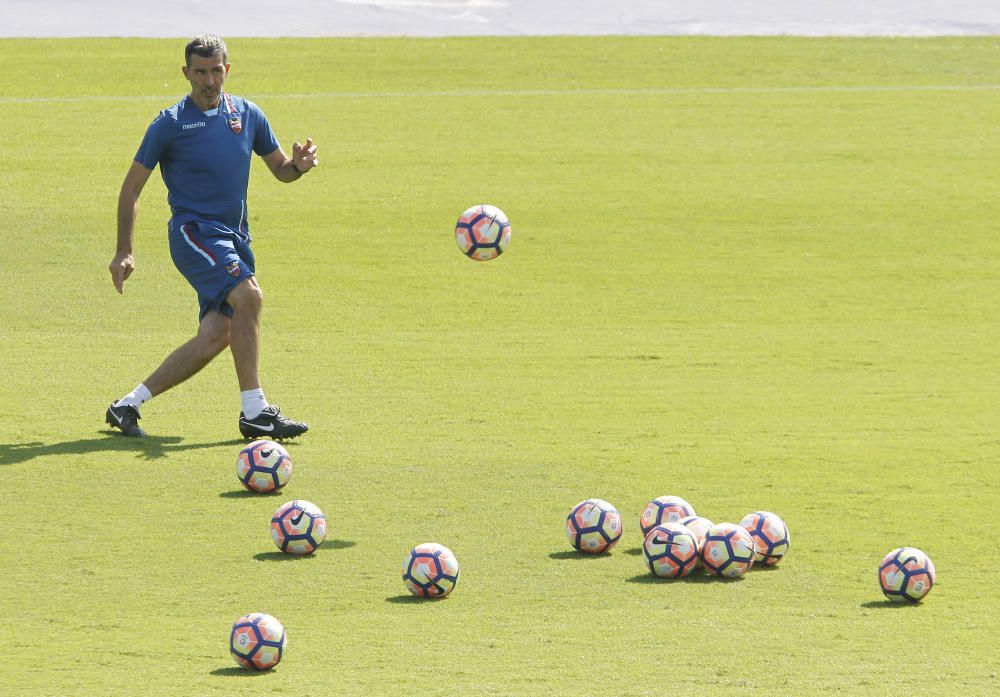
[[247, 296], [217, 342], [214, 333]]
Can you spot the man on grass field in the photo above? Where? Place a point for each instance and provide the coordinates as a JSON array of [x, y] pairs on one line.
[[204, 145]]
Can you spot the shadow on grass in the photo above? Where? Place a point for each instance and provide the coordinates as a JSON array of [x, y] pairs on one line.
[[150, 447], [282, 556], [757, 568], [246, 494], [693, 577], [635, 551], [236, 671], [410, 599], [887, 604], [573, 554]]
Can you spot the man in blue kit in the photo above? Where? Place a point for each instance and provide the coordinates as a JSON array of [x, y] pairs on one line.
[[204, 145]]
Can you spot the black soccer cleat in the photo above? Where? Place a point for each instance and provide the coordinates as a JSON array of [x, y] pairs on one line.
[[126, 418], [270, 424]]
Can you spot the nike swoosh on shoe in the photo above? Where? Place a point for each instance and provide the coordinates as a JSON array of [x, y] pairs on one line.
[[269, 427]]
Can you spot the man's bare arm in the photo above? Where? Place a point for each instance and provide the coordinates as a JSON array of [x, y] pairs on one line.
[[122, 265]]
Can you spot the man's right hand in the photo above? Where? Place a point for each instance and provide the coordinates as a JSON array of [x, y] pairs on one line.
[[121, 267]]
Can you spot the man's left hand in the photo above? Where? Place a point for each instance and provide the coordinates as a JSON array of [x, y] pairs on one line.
[[304, 156]]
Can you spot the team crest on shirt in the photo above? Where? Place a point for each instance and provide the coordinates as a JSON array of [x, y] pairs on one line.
[[233, 268]]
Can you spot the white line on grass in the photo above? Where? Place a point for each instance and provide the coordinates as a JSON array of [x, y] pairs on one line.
[[569, 92]]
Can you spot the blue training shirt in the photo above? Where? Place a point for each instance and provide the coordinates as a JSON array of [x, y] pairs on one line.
[[205, 158]]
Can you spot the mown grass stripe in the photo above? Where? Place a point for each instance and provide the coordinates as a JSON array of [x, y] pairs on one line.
[[624, 91]]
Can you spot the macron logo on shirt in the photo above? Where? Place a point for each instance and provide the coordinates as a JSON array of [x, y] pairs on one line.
[[197, 124]]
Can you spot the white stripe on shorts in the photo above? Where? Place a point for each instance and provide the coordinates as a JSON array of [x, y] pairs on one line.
[[187, 238]]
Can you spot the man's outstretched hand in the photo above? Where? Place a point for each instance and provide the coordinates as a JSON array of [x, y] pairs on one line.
[[304, 156]]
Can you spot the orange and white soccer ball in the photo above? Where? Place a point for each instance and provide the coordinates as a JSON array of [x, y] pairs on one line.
[[482, 232], [430, 570], [298, 527], [699, 526], [727, 551], [257, 641], [593, 526], [263, 466], [906, 575], [664, 509], [770, 536], [670, 550]]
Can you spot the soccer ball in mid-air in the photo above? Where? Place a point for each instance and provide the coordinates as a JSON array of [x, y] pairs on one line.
[[593, 526], [257, 641], [699, 525], [727, 551], [671, 550], [906, 574], [482, 232], [430, 570], [664, 509], [263, 466], [298, 527], [770, 536]]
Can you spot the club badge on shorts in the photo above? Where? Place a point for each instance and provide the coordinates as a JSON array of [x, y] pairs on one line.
[[233, 268], [235, 122]]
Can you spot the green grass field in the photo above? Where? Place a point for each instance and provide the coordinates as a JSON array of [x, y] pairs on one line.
[[755, 273]]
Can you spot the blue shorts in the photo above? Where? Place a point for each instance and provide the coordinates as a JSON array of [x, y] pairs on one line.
[[213, 258]]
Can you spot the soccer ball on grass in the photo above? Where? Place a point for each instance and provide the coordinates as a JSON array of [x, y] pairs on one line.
[[906, 575], [727, 551], [593, 526], [664, 509], [257, 641], [770, 536], [699, 526], [263, 466], [298, 527], [482, 232], [430, 570], [670, 550]]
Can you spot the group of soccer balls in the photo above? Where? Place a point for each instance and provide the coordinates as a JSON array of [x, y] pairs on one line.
[[298, 527], [430, 570], [676, 541]]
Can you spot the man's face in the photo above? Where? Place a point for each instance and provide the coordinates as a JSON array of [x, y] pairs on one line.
[[206, 75]]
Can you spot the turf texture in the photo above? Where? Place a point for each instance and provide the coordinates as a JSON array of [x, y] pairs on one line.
[[758, 273]]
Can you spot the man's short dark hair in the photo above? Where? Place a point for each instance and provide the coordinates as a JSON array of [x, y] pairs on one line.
[[206, 46]]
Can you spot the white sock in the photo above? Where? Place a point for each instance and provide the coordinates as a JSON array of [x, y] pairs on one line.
[[253, 402], [136, 398]]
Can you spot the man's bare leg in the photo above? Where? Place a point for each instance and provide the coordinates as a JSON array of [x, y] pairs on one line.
[[246, 299], [212, 338], [264, 421]]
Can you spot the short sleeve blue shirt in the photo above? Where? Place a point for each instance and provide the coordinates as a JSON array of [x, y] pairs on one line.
[[205, 159]]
